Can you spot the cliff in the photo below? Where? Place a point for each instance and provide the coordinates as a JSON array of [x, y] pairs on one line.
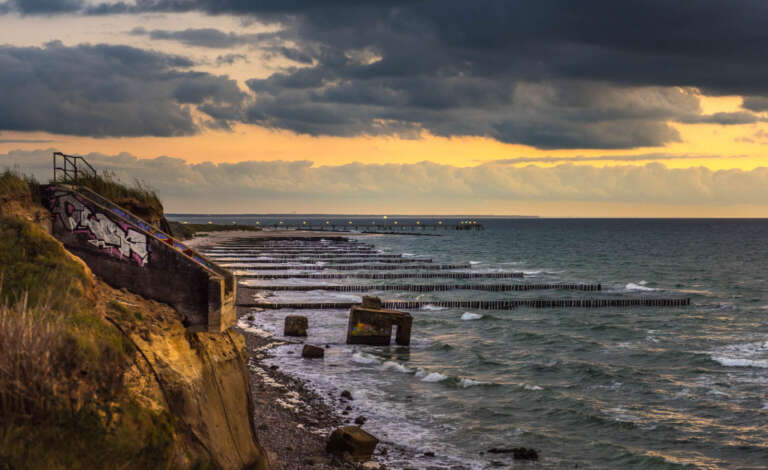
[[95, 377]]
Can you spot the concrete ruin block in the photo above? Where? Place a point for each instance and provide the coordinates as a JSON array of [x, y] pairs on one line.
[[312, 352], [296, 325], [373, 326], [370, 301], [352, 440]]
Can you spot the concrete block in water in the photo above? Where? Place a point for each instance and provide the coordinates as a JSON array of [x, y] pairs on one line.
[[312, 352], [373, 325], [295, 325], [370, 301], [353, 440]]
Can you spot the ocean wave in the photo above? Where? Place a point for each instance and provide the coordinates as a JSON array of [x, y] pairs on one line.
[[434, 377], [467, 316], [640, 286], [396, 366], [732, 362], [363, 358], [466, 383], [475, 262], [431, 307], [754, 354], [427, 376]]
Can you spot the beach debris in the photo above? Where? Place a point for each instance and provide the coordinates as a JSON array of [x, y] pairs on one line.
[[370, 324], [312, 352], [518, 453], [296, 325], [352, 440], [346, 395], [371, 465]]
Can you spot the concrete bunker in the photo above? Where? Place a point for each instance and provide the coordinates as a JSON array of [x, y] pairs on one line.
[[126, 252], [372, 325]]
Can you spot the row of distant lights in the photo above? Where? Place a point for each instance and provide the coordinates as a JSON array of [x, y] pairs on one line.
[[328, 222]]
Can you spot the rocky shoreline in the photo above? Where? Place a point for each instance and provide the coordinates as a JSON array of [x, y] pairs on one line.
[[292, 421]]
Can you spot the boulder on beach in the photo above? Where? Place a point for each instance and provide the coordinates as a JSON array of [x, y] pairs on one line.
[[312, 352], [296, 325], [352, 440]]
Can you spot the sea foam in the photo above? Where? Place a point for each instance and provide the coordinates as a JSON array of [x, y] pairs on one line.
[[363, 358]]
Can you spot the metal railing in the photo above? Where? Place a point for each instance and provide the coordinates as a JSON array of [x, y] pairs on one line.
[[69, 168]]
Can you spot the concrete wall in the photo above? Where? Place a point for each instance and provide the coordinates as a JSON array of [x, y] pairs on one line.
[[126, 255]]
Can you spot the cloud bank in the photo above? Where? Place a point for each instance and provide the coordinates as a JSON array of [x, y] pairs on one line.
[[272, 186], [553, 74], [106, 90]]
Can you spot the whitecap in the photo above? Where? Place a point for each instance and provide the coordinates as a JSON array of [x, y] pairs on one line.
[[532, 387], [733, 362], [432, 307], [532, 272], [470, 383], [639, 287], [392, 365], [466, 316], [475, 262], [753, 354], [408, 255], [363, 358], [434, 377]]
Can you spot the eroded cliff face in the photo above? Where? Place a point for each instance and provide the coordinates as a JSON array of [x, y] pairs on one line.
[[129, 388], [200, 378]]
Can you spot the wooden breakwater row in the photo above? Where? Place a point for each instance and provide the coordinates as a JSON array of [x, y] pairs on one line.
[[353, 267], [433, 287], [443, 275], [305, 255], [277, 249], [266, 260], [298, 242], [486, 304]]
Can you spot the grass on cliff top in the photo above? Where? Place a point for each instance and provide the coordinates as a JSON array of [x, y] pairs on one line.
[[14, 185], [62, 364], [138, 198]]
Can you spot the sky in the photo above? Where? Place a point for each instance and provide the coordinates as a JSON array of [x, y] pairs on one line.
[[556, 108]]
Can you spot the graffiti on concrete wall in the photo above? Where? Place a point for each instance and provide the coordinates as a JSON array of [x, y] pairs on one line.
[[118, 239]]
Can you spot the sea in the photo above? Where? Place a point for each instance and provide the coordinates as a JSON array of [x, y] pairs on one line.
[[588, 388]]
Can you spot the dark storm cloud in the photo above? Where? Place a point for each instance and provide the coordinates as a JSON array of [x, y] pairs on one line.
[[609, 158], [229, 59], [755, 103], [725, 119], [42, 7], [104, 90], [203, 37], [528, 72]]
